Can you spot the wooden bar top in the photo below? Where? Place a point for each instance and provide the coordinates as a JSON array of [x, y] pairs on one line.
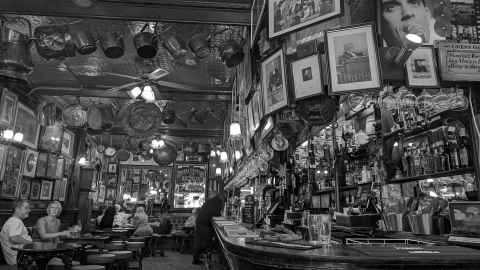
[[347, 256]]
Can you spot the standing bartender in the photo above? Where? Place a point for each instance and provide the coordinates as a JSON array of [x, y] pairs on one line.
[[204, 230]]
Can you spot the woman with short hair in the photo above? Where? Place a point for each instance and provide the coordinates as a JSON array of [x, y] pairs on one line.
[[48, 227]]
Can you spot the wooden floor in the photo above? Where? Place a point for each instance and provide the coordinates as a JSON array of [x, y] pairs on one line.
[[171, 261]]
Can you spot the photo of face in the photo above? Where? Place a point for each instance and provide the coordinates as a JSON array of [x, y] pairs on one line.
[[402, 17]]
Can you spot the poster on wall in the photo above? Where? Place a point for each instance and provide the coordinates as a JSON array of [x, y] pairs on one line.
[[35, 190], [26, 123], [30, 163], [25, 189], [429, 19], [8, 107], [11, 175], [189, 186], [352, 59], [307, 77], [46, 190], [274, 84], [421, 68], [288, 15]]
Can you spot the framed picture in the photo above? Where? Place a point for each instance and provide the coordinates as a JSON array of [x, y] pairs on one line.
[[135, 188], [59, 168], [62, 189], [52, 165], [307, 77], [112, 167], [35, 190], [42, 164], [256, 14], [458, 62], [26, 123], [3, 153], [51, 139], [287, 15], [46, 190], [110, 194], [421, 68], [128, 187], [67, 143], [11, 175], [30, 163], [352, 59], [68, 166], [8, 108], [274, 82], [25, 188], [101, 194]]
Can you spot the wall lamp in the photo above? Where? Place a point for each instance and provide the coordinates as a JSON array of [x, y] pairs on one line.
[[9, 134], [146, 93]]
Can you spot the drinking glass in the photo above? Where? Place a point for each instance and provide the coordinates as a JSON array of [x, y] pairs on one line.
[[319, 229]]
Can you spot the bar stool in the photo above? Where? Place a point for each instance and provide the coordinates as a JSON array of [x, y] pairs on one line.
[[121, 258], [57, 264], [115, 246], [104, 259], [137, 255]]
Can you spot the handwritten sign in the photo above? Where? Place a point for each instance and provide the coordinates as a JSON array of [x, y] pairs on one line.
[[459, 61]]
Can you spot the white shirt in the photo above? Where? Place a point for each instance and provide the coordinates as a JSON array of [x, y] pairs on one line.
[[12, 227]]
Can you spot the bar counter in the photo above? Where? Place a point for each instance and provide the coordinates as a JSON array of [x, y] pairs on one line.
[[241, 255]]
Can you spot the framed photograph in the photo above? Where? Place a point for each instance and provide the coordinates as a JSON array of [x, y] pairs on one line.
[[51, 139], [25, 189], [59, 168], [35, 190], [128, 187], [101, 194], [112, 167], [67, 143], [352, 59], [26, 123], [274, 83], [30, 163], [3, 153], [52, 165], [42, 164], [287, 15], [307, 77], [110, 194], [8, 107], [256, 14], [46, 190], [11, 175], [421, 68], [68, 166]]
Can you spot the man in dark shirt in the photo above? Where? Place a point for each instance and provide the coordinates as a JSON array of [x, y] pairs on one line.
[[204, 230]]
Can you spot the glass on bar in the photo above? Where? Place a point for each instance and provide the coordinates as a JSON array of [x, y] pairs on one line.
[[319, 229]]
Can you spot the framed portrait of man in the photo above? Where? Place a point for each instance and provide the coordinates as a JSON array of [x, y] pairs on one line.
[[421, 68], [274, 84], [353, 59]]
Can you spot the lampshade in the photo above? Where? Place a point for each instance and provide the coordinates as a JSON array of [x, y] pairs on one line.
[[414, 38], [8, 134], [82, 161], [161, 143], [235, 129], [135, 92], [238, 154], [212, 153], [218, 152], [218, 171], [126, 196], [18, 137], [223, 156], [148, 94]]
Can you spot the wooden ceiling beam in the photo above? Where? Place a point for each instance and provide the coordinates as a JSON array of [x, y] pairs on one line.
[[177, 132], [187, 11], [205, 95]]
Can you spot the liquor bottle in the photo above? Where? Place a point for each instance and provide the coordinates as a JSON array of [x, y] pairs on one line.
[[463, 151], [452, 148], [417, 162]]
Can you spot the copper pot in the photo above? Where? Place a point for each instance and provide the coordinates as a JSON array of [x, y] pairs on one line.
[[165, 155], [174, 46], [231, 53], [15, 47], [199, 46], [112, 44], [146, 44], [84, 41]]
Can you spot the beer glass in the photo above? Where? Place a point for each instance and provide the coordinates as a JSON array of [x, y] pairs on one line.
[[319, 229]]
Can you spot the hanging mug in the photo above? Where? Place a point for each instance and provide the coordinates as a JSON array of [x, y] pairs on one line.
[[199, 45], [112, 44], [231, 53], [146, 44], [84, 41]]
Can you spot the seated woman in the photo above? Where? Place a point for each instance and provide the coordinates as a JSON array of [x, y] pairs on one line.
[[189, 225], [108, 217], [140, 221], [48, 227]]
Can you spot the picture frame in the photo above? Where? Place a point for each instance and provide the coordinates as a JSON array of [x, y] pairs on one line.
[[26, 122], [110, 194], [421, 68], [68, 140], [52, 166], [101, 194], [30, 163], [3, 153], [42, 161], [59, 168], [35, 188], [256, 14], [8, 108], [51, 138], [307, 77], [291, 15], [458, 61], [274, 83], [112, 167], [25, 189], [11, 175], [353, 60], [46, 190]]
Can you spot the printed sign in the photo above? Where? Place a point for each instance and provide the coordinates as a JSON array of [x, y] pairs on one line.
[[459, 61]]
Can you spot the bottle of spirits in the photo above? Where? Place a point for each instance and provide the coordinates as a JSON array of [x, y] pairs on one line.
[[463, 150]]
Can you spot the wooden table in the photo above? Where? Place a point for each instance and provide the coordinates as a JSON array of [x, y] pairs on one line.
[[42, 252]]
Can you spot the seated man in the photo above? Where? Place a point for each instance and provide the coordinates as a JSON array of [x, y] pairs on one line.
[[14, 233]]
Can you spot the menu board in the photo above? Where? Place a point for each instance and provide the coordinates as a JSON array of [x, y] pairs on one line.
[[248, 213], [189, 186]]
